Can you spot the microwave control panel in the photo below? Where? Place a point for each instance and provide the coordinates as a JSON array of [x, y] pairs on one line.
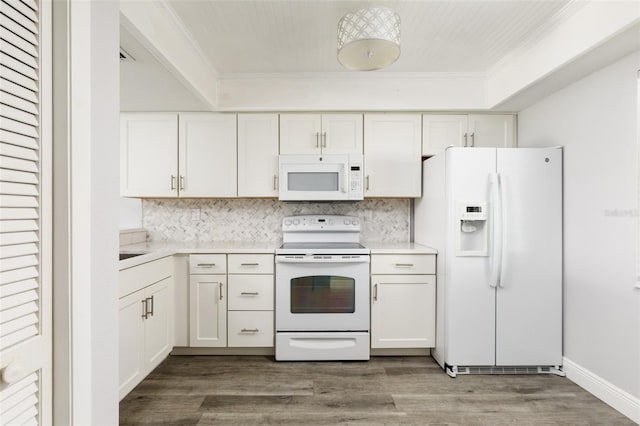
[[356, 179]]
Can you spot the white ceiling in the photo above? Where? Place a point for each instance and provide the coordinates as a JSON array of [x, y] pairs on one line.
[[254, 37], [276, 55]]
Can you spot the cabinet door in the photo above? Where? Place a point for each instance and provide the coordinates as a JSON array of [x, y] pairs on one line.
[[300, 133], [207, 154], [341, 134], [441, 131], [131, 342], [491, 131], [208, 310], [148, 155], [257, 155], [158, 326], [403, 311], [392, 155]]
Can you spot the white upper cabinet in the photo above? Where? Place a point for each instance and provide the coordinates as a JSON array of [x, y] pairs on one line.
[[207, 155], [171, 155], [440, 131], [257, 155], [491, 131], [320, 133], [342, 133], [392, 155], [148, 155]]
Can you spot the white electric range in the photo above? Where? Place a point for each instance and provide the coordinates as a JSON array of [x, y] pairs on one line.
[[322, 290]]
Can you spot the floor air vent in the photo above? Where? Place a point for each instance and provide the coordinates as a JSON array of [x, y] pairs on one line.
[[509, 370]]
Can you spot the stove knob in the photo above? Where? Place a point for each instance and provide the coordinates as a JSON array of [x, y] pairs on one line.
[[287, 222], [296, 222], [330, 222], [347, 221], [355, 222]]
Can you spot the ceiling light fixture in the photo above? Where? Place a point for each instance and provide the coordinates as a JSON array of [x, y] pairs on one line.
[[369, 39]]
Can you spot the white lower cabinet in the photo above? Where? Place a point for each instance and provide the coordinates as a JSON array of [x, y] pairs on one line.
[[403, 302], [234, 307], [145, 327], [208, 311], [251, 329]]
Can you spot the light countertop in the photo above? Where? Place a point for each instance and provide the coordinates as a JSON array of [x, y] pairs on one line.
[[398, 248], [157, 250]]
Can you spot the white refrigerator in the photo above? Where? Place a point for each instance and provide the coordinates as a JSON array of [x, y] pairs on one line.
[[495, 217]]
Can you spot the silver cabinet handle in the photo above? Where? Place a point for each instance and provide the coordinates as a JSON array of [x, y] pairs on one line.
[[366, 183], [144, 309], [249, 293], [324, 138], [473, 139], [275, 182], [317, 139], [249, 264], [375, 292], [206, 265], [173, 182], [404, 265], [249, 330], [148, 307], [181, 183], [220, 284], [465, 139]]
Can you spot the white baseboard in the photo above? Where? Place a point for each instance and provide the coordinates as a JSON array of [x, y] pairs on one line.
[[622, 401]]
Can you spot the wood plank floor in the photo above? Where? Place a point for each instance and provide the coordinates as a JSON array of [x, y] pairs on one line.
[[244, 390]]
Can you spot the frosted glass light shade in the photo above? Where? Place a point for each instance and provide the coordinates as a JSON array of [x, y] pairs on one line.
[[369, 39]]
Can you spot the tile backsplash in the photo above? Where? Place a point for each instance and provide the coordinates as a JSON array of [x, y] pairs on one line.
[[383, 220]]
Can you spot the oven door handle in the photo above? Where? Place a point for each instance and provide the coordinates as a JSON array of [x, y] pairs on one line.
[[322, 259]]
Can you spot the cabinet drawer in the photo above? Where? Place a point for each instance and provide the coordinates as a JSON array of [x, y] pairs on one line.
[[140, 276], [250, 292], [250, 329], [208, 263], [251, 264], [403, 264]]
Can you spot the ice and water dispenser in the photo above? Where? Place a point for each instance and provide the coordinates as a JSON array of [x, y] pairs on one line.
[[473, 235]]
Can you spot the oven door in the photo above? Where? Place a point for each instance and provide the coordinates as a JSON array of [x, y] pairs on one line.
[[322, 293]]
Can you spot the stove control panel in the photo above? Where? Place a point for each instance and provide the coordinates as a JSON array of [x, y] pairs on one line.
[[321, 223]]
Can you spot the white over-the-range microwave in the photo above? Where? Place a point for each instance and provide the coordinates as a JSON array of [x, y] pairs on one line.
[[321, 177]]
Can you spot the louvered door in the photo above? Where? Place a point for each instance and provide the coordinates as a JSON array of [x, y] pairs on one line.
[[25, 296]]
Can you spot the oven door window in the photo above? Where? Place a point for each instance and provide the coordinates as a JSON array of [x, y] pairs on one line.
[[323, 294]]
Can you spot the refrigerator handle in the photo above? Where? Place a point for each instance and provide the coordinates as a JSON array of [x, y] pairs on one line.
[[504, 228], [496, 254]]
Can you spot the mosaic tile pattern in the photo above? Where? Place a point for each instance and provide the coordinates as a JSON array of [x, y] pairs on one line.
[[383, 220]]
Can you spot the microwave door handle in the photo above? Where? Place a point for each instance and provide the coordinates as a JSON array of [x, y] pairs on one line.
[[345, 181]]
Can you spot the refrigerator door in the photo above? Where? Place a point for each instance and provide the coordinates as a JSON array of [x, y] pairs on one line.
[[529, 296], [469, 298]]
